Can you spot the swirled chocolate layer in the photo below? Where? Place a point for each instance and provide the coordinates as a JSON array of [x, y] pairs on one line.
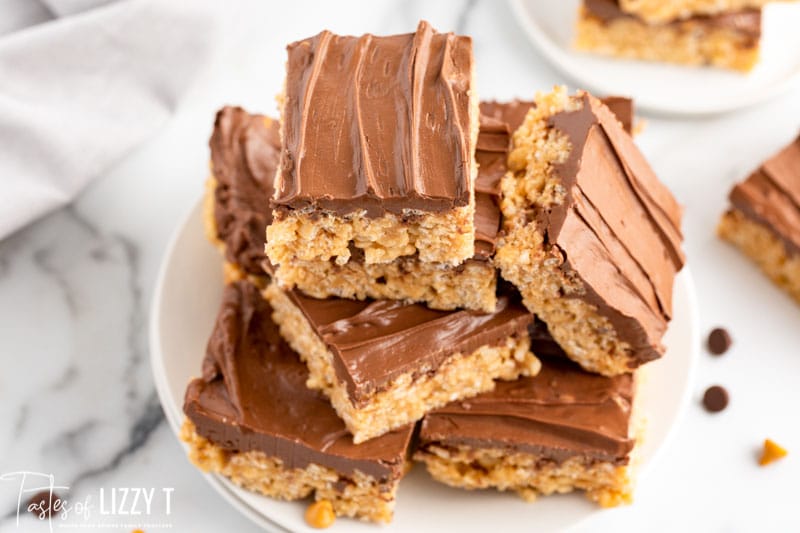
[[513, 113], [491, 153], [746, 22], [244, 155], [561, 413], [377, 123], [374, 342], [618, 228], [771, 195], [253, 396]]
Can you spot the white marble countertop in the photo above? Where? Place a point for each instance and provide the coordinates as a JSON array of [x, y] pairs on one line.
[[76, 392]]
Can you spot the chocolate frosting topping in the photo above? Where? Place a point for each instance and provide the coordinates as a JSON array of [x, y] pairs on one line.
[[377, 123], [513, 113], [562, 412], [244, 155], [618, 228], [491, 153], [746, 21], [374, 342], [771, 195], [622, 108], [253, 396]]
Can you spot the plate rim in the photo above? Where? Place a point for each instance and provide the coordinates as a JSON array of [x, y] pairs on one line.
[[553, 53], [159, 374], [220, 484]]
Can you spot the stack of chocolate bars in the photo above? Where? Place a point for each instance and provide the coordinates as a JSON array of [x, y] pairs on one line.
[[376, 330], [721, 33]]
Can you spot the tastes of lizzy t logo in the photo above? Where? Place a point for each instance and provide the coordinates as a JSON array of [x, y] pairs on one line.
[[115, 507]]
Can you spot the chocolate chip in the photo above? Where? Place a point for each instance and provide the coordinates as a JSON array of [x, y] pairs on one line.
[[715, 399], [719, 340]]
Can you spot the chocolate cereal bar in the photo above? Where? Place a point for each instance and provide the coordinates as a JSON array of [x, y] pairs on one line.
[[729, 39], [244, 155], [378, 154], [764, 218], [384, 363], [469, 285], [592, 238], [562, 430], [251, 418]]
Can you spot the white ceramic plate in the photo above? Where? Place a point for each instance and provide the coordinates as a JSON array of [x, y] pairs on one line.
[[661, 88], [184, 307]]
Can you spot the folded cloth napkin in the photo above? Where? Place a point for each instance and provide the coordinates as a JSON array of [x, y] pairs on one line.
[[82, 83]]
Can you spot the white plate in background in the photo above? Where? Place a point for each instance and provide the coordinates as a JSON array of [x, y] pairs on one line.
[[662, 88], [185, 304]]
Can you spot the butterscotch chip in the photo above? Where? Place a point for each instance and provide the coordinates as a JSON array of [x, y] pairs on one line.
[[772, 452], [320, 514]]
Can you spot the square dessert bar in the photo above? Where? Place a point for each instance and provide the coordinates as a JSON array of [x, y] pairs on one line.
[[470, 285], [764, 218], [563, 430], [379, 139], [244, 156], [251, 419], [384, 363], [659, 11], [729, 40], [592, 238]]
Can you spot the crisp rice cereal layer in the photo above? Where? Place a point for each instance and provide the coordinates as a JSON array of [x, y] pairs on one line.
[[527, 474], [442, 238], [534, 268], [690, 42], [470, 286], [406, 399], [761, 245], [360, 496]]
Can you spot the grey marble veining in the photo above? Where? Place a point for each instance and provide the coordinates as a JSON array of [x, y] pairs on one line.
[[463, 16], [84, 399]]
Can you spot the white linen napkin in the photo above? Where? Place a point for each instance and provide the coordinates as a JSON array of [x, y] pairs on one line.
[[83, 82]]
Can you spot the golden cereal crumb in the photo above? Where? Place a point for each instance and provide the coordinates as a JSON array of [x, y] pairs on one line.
[[320, 514]]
